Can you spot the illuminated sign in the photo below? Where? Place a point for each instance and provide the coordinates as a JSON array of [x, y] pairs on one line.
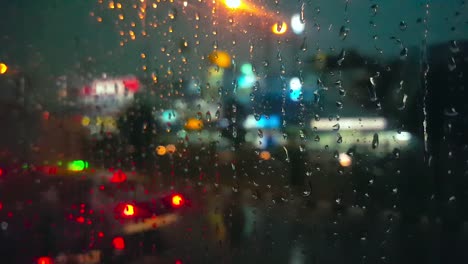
[[377, 123]]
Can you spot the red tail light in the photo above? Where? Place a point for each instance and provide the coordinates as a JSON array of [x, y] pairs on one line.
[[118, 243], [129, 210], [45, 260], [177, 200]]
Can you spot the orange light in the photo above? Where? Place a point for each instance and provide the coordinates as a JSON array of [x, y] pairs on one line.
[[279, 29], [44, 260], [265, 155], [171, 148], [220, 58], [118, 243], [129, 210], [194, 124], [161, 150], [177, 200], [232, 3], [3, 68]]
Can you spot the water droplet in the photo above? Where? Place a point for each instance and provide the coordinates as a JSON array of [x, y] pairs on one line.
[[454, 46], [317, 138], [375, 141], [403, 25], [339, 138], [403, 53], [452, 65], [396, 153], [304, 45], [339, 104], [344, 31], [260, 133], [342, 92], [375, 9], [208, 116], [341, 57], [336, 127], [302, 134]]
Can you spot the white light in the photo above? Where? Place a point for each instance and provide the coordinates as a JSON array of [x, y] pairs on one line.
[[295, 84], [345, 160], [297, 25], [403, 136], [377, 123], [233, 3]]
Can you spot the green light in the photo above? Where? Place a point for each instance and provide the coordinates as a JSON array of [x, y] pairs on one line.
[[25, 166], [246, 69], [77, 165], [59, 163]]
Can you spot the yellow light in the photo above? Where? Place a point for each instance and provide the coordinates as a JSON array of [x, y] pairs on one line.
[[232, 3], [129, 210], [161, 150], [220, 58], [3, 68], [85, 121], [279, 29]]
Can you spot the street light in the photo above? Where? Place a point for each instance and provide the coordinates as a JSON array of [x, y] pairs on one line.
[[233, 3]]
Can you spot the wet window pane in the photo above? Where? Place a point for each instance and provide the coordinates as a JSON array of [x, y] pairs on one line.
[[233, 131]]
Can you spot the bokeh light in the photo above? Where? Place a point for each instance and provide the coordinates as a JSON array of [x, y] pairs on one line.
[[232, 3], [194, 124], [296, 24], [344, 160], [171, 148], [265, 155], [161, 150], [279, 29], [220, 58], [3, 68]]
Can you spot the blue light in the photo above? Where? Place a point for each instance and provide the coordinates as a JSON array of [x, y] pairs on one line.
[[246, 81], [295, 95], [272, 122], [169, 116]]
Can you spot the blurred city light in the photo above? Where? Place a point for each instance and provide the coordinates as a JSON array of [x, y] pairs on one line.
[[272, 122], [403, 136], [296, 24], [171, 148], [129, 210], [77, 165], [345, 160], [233, 3], [377, 123], [220, 58], [246, 81], [279, 28], [265, 155], [3, 68], [169, 116], [161, 150], [194, 124], [295, 85]]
